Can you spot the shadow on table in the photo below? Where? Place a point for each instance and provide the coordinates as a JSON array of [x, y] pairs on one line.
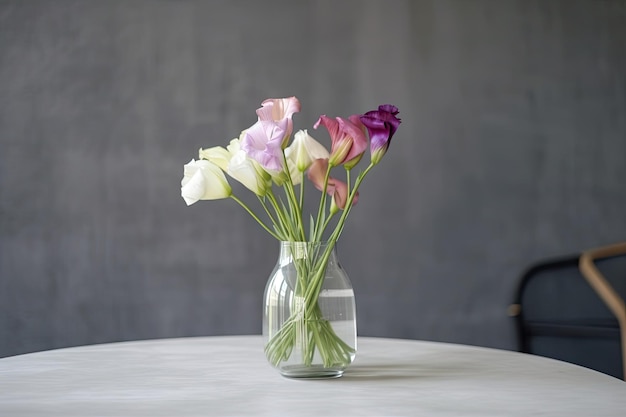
[[386, 371]]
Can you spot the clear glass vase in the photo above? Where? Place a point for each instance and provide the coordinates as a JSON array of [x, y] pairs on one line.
[[309, 314]]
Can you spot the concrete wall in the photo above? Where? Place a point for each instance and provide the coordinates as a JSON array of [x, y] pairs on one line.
[[512, 149]]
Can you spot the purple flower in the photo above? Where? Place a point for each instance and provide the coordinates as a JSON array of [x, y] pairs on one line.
[[263, 143], [265, 140], [381, 125]]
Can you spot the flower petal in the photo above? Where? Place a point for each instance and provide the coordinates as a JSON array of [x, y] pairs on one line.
[[340, 194], [263, 143], [317, 173], [243, 169], [354, 129], [235, 144], [347, 138], [335, 187], [279, 110], [217, 154], [304, 150], [381, 125], [203, 180]]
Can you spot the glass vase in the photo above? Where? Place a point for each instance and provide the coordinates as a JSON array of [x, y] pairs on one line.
[[309, 314]]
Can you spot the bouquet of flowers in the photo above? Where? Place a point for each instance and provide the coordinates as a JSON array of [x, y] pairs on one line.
[[265, 159]]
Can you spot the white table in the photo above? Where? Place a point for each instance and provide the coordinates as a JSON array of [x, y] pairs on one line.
[[229, 376]]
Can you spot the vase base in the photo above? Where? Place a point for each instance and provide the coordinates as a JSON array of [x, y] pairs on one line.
[[311, 372]]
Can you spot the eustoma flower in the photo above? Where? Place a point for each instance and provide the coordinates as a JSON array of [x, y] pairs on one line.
[[381, 125], [347, 137], [304, 150], [235, 162], [263, 143], [203, 180], [265, 140], [280, 111], [335, 187]]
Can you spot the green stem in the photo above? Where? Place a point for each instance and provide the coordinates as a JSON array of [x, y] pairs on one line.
[[339, 227], [295, 208], [327, 222], [302, 191], [255, 217], [316, 234], [313, 290], [318, 332], [282, 216], [277, 224]]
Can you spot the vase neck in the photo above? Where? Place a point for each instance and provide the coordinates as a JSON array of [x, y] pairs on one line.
[[301, 250]]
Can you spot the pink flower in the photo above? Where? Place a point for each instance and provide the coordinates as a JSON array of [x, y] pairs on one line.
[[348, 139], [280, 111], [335, 188]]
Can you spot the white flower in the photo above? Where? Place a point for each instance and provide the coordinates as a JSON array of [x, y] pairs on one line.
[[218, 155], [304, 150], [249, 173], [236, 163], [203, 180]]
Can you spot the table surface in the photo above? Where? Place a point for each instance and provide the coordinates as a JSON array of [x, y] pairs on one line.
[[229, 376]]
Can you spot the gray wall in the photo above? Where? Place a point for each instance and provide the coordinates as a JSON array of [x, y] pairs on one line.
[[512, 149]]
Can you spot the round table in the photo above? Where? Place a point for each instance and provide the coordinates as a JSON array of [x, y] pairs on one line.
[[229, 376]]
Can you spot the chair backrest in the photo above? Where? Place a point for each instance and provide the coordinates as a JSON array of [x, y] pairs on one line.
[[605, 270], [572, 309]]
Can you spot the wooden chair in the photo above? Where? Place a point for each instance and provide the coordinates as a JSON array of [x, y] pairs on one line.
[[572, 309], [590, 270]]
